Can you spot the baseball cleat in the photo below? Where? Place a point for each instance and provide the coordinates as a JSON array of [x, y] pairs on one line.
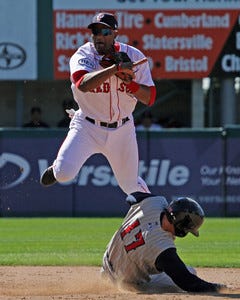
[[47, 177]]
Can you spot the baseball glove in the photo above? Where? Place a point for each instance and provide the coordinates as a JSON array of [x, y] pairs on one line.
[[124, 63], [107, 61]]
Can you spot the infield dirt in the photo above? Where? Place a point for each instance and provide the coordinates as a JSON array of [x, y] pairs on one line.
[[85, 283]]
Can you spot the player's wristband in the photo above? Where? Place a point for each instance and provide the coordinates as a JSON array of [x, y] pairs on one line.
[[133, 86]]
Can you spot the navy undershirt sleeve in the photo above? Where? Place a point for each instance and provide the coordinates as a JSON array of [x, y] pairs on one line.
[[170, 263]]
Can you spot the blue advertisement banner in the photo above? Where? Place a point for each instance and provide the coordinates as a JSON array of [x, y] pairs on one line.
[[232, 171], [189, 165], [173, 164]]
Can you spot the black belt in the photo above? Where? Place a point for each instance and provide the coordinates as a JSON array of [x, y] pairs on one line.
[[108, 125]]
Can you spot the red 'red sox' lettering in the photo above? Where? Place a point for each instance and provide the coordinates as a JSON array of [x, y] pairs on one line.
[[105, 88]]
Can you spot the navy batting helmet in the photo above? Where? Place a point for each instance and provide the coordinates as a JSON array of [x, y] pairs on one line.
[[186, 215]]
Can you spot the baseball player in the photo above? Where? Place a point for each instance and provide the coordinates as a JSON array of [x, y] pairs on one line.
[[106, 84], [142, 255]]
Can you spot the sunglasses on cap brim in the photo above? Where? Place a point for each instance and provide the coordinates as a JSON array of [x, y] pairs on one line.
[[102, 31]]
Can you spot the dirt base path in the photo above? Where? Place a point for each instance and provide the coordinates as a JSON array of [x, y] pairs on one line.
[[84, 283]]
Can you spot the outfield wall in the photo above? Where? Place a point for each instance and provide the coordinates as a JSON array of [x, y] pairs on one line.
[[175, 162]]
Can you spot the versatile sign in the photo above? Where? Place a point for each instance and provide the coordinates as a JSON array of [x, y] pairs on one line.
[[179, 43], [192, 165]]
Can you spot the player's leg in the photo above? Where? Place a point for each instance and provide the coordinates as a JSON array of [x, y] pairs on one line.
[[107, 270], [122, 154], [71, 156], [75, 150]]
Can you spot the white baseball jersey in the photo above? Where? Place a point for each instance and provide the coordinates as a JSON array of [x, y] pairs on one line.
[[131, 254], [108, 103]]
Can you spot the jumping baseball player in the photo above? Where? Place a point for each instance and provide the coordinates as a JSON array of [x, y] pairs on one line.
[[106, 83], [142, 255]]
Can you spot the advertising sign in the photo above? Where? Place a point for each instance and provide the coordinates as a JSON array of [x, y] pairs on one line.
[[185, 166], [232, 170], [192, 165], [228, 62], [18, 39], [180, 42]]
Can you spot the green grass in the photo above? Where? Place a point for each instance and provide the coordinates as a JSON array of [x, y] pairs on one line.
[[217, 246], [55, 241], [82, 241]]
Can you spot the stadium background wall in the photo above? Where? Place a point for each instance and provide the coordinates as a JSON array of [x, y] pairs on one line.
[[29, 73], [202, 164]]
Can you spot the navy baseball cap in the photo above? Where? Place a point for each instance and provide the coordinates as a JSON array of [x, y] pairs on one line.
[[105, 19]]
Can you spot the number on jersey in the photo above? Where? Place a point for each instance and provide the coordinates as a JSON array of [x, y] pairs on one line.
[[139, 240]]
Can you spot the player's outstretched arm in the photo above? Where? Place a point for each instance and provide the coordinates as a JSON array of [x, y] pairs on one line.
[[169, 262]]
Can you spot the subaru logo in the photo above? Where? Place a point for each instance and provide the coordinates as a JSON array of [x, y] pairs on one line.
[[12, 56]]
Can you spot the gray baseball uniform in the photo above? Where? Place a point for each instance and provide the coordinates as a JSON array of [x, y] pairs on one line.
[[132, 252], [142, 255]]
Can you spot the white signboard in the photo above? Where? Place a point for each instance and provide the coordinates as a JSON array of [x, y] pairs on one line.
[[18, 39]]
